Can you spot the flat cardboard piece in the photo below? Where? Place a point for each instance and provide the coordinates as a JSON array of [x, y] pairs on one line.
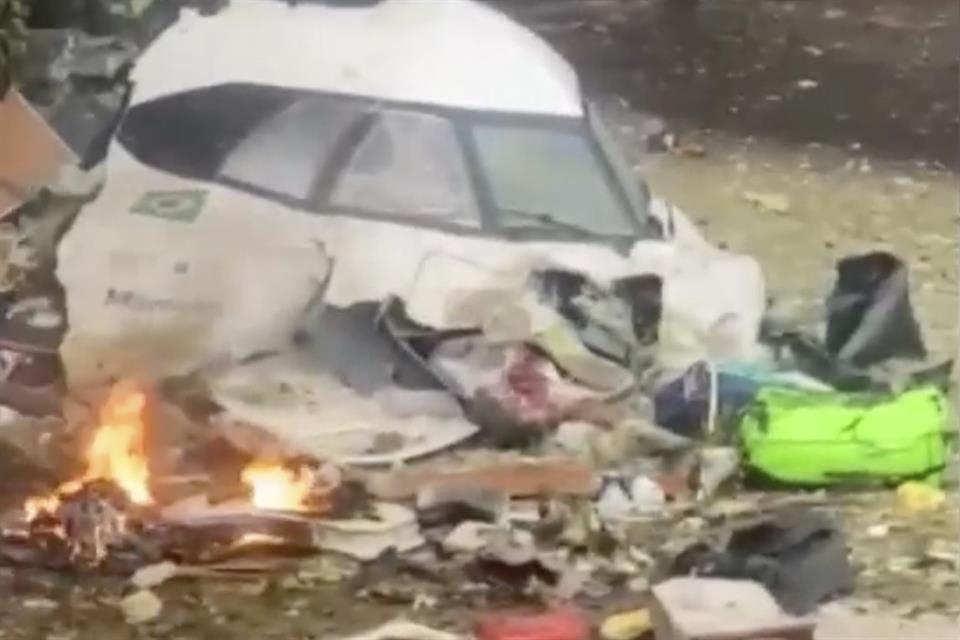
[[31, 153]]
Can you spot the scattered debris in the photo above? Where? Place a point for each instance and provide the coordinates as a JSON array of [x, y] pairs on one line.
[[141, 606], [288, 398], [918, 497], [393, 528], [630, 625], [799, 556], [775, 202], [560, 624], [153, 575], [439, 504], [842, 622], [311, 417], [690, 150], [517, 478], [711, 609], [403, 630], [469, 537], [39, 604]]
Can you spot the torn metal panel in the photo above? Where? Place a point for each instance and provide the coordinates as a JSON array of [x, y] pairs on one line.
[[293, 399]]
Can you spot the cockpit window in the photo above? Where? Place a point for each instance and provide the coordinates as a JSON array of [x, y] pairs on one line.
[[549, 176], [287, 152], [326, 153], [409, 164]]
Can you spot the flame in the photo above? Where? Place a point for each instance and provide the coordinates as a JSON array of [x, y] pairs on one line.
[[275, 486], [116, 453]]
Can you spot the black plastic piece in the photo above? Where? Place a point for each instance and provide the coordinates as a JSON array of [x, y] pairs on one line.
[[870, 318]]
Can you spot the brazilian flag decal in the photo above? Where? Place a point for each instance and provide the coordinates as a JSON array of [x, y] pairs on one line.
[[176, 206]]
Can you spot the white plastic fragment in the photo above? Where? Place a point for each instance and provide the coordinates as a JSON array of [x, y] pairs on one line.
[[153, 575]]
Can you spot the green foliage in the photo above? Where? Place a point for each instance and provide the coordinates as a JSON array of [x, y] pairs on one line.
[[13, 32]]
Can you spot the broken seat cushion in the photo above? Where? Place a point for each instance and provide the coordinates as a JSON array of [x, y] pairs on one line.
[[799, 556]]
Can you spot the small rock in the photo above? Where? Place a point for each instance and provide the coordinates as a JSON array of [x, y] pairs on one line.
[[816, 52], [141, 606], [807, 83], [153, 575], [834, 14], [878, 530], [776, 202]]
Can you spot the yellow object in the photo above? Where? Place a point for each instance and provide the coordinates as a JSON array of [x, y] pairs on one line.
[[626, 626], [917, 497]]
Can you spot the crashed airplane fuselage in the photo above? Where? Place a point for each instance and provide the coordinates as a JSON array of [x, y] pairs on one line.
[[273, 155]]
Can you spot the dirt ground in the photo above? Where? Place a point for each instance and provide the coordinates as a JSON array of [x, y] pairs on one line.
[[866, 158]]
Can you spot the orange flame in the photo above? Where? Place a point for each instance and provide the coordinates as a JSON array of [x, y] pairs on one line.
[[277, 487], [116, 453]]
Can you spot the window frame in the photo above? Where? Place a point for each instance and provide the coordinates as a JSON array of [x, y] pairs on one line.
[[318, 201]]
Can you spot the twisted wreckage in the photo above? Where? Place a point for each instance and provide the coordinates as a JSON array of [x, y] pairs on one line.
[[363, 253]]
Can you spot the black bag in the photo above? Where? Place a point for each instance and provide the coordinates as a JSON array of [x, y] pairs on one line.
[[869, 316], [800, 557]]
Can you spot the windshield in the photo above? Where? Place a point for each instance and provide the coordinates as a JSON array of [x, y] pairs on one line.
[[408, 164], [548, 177], [437, 167]]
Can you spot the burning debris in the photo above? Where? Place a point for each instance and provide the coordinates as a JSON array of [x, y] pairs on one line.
[[274, 486], [86, 519], [116, 455], [107, 517]]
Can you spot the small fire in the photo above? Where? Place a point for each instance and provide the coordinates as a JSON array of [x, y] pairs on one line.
[[275, 486], [117, 453]]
